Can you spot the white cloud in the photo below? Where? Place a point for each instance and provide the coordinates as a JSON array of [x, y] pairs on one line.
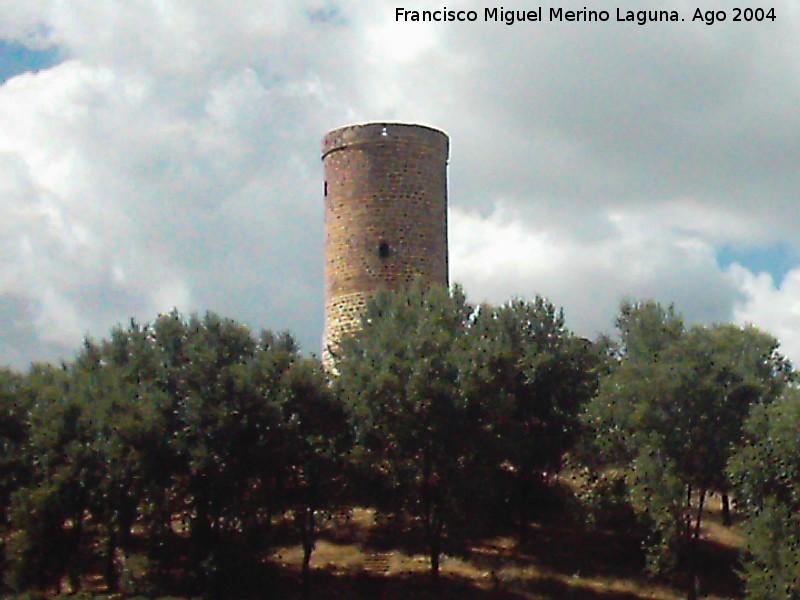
[[500, 256], [775, 309]]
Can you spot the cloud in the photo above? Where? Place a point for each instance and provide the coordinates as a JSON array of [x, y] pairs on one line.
[[775, 309], [497, 257], [121, 206], [173, 159]]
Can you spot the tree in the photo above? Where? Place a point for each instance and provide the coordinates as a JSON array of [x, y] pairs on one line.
[[766, 474], [13, 434], [14, 470], [671, 412], [47, 512], [400, 378], [190, 431], [534, 376], [316, 448], [645, 330], [122, 411], [94, 426], [223, 387]]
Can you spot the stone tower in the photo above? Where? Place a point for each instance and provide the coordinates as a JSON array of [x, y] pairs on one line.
[[385, 216]]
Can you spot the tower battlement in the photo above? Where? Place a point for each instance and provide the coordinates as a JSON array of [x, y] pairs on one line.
[[382, 133]]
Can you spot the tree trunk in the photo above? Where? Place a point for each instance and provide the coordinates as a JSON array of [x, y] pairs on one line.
[[435, 557], [306, 571], [692, 591], [304, 518], [434, 534], [688, 523], [112, 581], [73, 569], [524, 499], [699, 514], [726, 511], [435, 550]]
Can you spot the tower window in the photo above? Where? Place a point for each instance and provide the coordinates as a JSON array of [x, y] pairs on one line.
[[326, 188], [384, 251]]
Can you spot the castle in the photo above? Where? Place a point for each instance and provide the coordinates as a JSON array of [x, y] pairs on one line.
[[385, 216]]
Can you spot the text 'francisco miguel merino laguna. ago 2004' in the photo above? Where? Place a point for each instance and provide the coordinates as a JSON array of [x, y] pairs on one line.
[[562, 15]]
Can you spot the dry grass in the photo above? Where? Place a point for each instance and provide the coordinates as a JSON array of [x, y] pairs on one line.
[[362, 556], [555, 561], [714, 530]]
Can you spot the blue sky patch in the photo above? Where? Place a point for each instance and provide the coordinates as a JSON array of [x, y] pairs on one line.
[[330, 14], [16, 58], [776, 259]]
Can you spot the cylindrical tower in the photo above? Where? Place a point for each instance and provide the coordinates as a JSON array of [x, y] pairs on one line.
[[385, 215]]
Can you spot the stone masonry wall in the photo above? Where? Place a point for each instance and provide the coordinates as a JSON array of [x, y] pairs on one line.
[[385, 215]]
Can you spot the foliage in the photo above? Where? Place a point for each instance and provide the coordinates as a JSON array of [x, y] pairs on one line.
[[223, 433], [46, 513], [533, 376], [316, 447], [419, 433], [165, 452], [605, 501], [13, 435], [181, 428], [670, 414], [766, 474]]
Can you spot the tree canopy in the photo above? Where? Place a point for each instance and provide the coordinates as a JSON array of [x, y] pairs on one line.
[[174, 453], [766, 474], [671, 412]]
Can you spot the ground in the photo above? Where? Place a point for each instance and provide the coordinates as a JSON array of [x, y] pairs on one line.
[[360, 555], [354, 559]]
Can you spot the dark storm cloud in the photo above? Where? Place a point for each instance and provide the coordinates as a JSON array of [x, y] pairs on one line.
[[634, 113]]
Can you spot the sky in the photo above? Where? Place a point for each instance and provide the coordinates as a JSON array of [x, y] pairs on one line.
[[159, 154]]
